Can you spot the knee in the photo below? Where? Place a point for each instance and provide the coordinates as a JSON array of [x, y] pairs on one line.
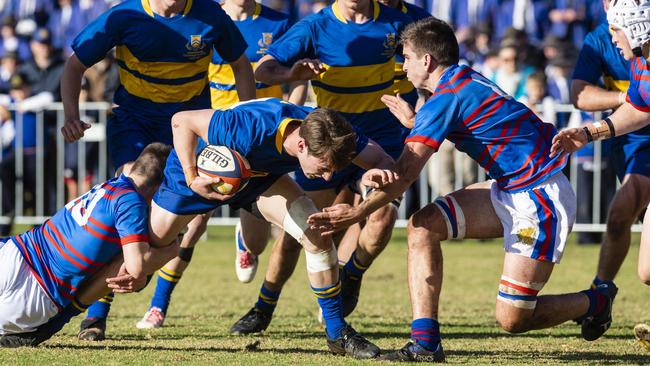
[[424, 223], [287, 244], [383, 219], [512, 323], [644, 274]]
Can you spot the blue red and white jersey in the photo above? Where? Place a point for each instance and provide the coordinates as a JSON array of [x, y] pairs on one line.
[[162, 61], [502, 135], [259, 31], [638, 94], [84, 236]]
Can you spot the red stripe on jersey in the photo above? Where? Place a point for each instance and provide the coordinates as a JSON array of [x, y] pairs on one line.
[[523, 289], [71, 248], [98, 235], [638, 107], [504, 142], [424, 140], [116, 194], [454, 90], [134, 238], [480, 108], [454, 79], [52, 241], [490, 112], [26, 255], [102, 225]]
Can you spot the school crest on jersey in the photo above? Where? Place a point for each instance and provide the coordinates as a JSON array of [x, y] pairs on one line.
[[264, 43], [196, 47], [390, 44]]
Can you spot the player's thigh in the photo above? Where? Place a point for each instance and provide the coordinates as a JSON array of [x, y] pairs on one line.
[[630, 199], [286, 205], [164, 226], [481, 220]]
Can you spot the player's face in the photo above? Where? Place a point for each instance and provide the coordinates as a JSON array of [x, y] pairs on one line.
[[621, 42], [314, 167], [416, 70]]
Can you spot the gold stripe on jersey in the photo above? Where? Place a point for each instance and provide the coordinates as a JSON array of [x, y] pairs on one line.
[[358, 76], [162, 70], [618, 85]]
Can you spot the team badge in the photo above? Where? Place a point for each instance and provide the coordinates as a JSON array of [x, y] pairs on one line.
[[526, 235], [390, 44], [196, 47], [264, 43]]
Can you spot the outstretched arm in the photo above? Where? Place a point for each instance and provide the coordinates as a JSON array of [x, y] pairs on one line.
[[407, 169], [270, 71], [626, 119], [73, 128], [244, 80]]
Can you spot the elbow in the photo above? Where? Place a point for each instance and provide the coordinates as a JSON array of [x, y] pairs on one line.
[[179, 119], [260, 74]]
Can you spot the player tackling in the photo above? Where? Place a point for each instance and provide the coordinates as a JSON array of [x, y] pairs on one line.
[[529, 201]]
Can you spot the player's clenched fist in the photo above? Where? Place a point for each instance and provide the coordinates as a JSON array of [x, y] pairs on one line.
[[73, 130]]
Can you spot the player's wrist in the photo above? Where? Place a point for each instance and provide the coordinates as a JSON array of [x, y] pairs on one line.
[[190, 174], [599, 130]]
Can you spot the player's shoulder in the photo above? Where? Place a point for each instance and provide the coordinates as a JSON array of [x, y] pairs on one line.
[[208, 11], [415, 12], [272, 14], [599, 36], [392, 15], [121, 190]]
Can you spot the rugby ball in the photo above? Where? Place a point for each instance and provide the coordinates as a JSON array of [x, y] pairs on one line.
[[216, 161]]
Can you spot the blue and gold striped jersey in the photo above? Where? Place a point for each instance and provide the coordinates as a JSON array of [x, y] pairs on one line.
[[163, 62], [359, 61], [259, 31], [403, 86]]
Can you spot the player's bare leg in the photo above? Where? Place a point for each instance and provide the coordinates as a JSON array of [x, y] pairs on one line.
[[251, 237], [282, 263], [170, 274], [628, 203], [285, 204], [642, 331]]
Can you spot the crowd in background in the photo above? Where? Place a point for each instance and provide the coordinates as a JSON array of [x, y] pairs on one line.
[[528, 47]]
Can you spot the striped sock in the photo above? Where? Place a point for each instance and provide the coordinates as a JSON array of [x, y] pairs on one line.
[[353, 268], [56, 323], [597, 301], [329, 300], [426, 333], [100, 308], [167, 280], [267, 299]]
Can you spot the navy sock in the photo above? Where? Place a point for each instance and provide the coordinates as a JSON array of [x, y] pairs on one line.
[[426, 333], [57, 322], [167, 280], [597, 301], [100, 308], [353, 268], [267, 299], [329, 300], [597, 281]]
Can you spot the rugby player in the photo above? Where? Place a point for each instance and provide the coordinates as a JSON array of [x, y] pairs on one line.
[[163, 50], [629, 22], [529, 201], [45, 268], [276, 138]]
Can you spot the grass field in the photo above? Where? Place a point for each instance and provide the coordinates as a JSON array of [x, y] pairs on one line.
[[209, 299]]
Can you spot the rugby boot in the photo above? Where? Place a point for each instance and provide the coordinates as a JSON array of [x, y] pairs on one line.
[[92, 329], [254, 322], [413, 352], [593, 327], [352, 344]]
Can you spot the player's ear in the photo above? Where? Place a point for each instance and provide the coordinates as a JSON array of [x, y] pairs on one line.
[[429, 62]]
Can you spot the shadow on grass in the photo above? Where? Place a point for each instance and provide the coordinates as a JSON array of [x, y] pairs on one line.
[[596, 357], [143, 347]]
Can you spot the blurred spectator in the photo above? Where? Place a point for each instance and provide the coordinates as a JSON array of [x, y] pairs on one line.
[[64, 24], [559, 83], [30, 14], [12, 43], [475, 46], [25, 129], [536, 97], [490, 64], [530, 16], [511, 75], [45, 69], [442, 9], [92, 8], [468, 16], [527, 54], [570, 20], [8, 67]]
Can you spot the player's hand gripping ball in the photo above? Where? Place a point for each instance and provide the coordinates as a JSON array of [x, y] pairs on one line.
[[228, 165]]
